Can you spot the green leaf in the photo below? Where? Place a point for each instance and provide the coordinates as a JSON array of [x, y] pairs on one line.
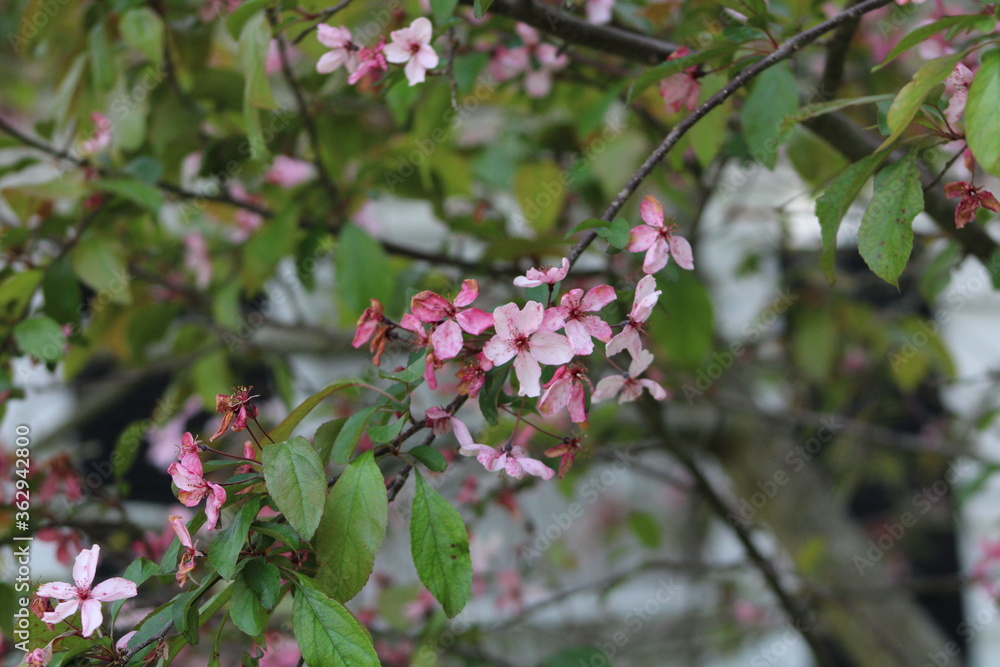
[[683, 323], [284, 430], [16, 291], [239, 16], [352, 529], [62, 293], [225, 550], [430, 457], [646, 528], [886, 234], [102, 69], [832, 205], [245, 609], [540, 188], [441, 10], [347, 439], [137, 192], [363, 272], [917, 35], [278, 531], [814, 110], [325, 436], [255, 38], [674, 66], [480, 7], [412, 374], [142, 29], [41, 337], [327, 633], [489, 395], [909, 99], [774, 96], [440, 547], [296, 480], [982, 122], [264, 579], [388, 432]]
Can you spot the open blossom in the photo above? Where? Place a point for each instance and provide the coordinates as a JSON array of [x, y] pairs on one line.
[[567, 388], [509, 458], [972, 199], [235, 409], [413, 46], [546, 275], [572, 316], [518, 337], [370, 59], [186, 563], [537, 60], [101, 138], [681, 89], [447, 336], [658, 240], [82, 596], [958, 83], [646, 296], [189, 476], [599, 11], [343, 51], [288, 172], [431, 360], [629, 387], [472, 377]]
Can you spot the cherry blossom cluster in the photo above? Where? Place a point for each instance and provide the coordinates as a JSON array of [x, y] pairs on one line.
[[408, 46], [535, 335]]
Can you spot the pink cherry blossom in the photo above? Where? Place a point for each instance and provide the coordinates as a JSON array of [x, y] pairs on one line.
[[567, 388], [509, 458], [658, 240], [546, 275], [197, 259], [579, 326], [186, 563], [369, 60], [646, 296], [247, 221], [447, 336], [957, 84], [123, 641], [81, 596], [343, 51], [681, 89], [189, 476], [101, 138], [629, 387], [431, 360], [506, 63], [287, 172], [413, 46], [369, 321], [599, 11], [518, 337], [472, 377], [39, 657], [972, 199], [538, 61]]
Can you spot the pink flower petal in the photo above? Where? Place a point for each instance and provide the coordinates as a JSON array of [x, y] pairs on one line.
[[62, 611], [656, 257], [177, 523], [626, 339], [579, 338], [598, 297], [57, 589], [550, 348], [651, 211], [216, 499], [396, 52], [86, 567], [474, 321], [499, 350], [505, 319], [447, 340], [654, 388], [116, 588], [421, 30], [536, 468], [415, 72], [468, 293], [529, 372], [429, 307], [90, 616], [608, 387], [641, 238], [597, 328], [680, 249]]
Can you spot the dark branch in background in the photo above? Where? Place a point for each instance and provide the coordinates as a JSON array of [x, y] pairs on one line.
[[324, 16], [783, 52], [836, 56], [608, 39], [300, 101]]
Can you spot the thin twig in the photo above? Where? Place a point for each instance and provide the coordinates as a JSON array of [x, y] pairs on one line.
[[324, 16]]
